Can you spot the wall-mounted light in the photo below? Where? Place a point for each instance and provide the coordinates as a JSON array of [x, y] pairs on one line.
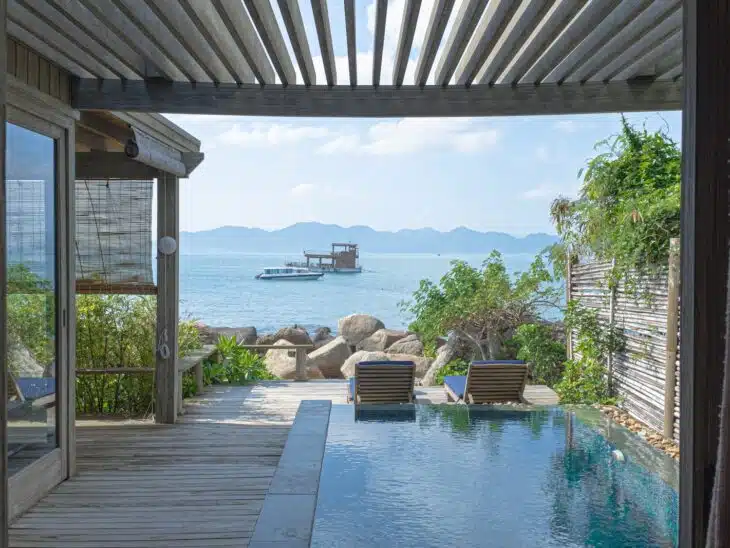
[[167, 245]]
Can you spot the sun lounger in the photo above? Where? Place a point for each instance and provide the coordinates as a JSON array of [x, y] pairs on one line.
[[382, 382], [39, 391], [491, 381]]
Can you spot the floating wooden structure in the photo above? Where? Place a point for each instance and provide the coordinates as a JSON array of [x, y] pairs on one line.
[[343, 259]]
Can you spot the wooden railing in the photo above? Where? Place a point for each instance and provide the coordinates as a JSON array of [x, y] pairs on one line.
[[300, 355]]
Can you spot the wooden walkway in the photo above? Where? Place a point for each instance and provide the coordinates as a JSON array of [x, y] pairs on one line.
[[201, 482]]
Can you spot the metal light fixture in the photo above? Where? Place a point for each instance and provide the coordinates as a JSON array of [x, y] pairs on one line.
[[167, 245]]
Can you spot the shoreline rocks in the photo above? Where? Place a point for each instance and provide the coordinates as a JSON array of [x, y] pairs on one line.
[[381, 340], [356, 327], [330, 357]]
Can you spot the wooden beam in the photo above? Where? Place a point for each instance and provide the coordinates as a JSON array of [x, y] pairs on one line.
[[464, 25], [705, 233], [292, 16], [381, 13], [405, 40], [168, 298], [343, 101], [436, 27], [351, 40], [324, 34], [111, 165], [264, 18], [485, 37], [4, 501]]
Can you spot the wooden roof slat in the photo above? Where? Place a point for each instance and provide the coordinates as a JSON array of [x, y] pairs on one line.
[[572, 34], [466, 21], [265, 21], [350, 28], [483, 43], [436, 27], [49, 52], [244, 33], [598, 35], [624, 56], [89, 23], [658, 52], [218, 33], [158, 31], [108, 13], [324, 34], [292, 16], [189, 33], [70, 29], [672, 73], [405, 40], [542, 35], [381, 12], [46, 33]]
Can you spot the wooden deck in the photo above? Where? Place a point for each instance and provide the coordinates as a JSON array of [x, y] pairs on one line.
[[200, 482]]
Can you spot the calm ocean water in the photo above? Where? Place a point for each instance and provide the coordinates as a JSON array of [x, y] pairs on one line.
[[220, 289]]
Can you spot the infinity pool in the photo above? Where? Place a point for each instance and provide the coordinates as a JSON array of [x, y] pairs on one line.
[[483, 476]]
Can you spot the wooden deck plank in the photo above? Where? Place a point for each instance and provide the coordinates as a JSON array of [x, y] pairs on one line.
[[200, 482]]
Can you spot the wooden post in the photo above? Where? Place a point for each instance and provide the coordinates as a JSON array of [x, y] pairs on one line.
[[670, 364], [3, 294], [704, 255], [568, 298], [301, 361], [167, 379]]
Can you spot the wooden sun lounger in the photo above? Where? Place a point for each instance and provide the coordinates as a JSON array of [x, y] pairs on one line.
[[494, 381], [41, 392], [382, 382]]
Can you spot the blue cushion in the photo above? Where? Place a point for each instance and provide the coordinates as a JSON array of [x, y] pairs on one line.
[[385, 363], [457, 384], [499, 362], [33, 388]]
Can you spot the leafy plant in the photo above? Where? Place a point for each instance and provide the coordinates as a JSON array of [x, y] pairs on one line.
[[240, 365], [454, 367], [544, 354], [482, 305], [585, 377]]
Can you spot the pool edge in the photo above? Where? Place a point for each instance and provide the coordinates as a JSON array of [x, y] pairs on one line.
[[287, 515]]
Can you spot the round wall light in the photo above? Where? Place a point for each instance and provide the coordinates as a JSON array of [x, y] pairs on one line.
[[167, 245]]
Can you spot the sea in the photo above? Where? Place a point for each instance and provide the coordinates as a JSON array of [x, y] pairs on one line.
[[221, 290]]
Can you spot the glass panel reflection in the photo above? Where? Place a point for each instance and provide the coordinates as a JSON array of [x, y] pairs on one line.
[[31, 296]]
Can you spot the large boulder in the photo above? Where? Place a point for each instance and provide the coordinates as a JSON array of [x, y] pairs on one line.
[[422, 363], [268, 338], [380, 340], [283, 363], [295, 335], [322, 342], [357, 327], [244, 335], [407, 345], [321, 334], [329, 358], [22, 363], [348, 368]]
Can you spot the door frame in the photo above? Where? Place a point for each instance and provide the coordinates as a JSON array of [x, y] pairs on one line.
[[33, 110]]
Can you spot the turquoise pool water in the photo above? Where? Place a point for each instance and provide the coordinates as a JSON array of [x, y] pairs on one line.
[[480, 476]]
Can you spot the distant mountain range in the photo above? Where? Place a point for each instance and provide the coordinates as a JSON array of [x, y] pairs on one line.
[[317, 236]]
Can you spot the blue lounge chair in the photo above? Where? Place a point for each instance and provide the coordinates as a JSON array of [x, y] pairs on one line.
[[40, 391], [491, 381], [382, 382]]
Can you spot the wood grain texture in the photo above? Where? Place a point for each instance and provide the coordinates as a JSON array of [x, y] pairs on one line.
[[4, 53], [292, 17], [436, 27], [405, 40], [350, 29], [386, 101], [381, 12]]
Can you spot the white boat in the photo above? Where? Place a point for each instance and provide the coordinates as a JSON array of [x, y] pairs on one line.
[[288, 273]]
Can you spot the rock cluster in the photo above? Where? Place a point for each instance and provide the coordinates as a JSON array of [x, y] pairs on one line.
[[652, 437]]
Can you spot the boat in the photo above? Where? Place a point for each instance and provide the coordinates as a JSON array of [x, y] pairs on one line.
[[288, 273], [343, 259]]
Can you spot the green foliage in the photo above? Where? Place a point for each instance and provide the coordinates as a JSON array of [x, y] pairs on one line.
[[119, 331], [240, 365], [585, 377], [545, 355], [628, 207], [454, 367], [483, 304]]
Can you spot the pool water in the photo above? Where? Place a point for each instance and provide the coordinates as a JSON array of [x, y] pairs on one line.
[[483, 476]]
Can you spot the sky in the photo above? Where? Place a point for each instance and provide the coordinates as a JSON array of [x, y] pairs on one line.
[[483, 173]]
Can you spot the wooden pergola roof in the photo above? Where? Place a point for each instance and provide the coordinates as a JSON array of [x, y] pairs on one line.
[[478, 57]]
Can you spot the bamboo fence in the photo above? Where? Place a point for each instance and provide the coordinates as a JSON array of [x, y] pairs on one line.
[[644, 375]]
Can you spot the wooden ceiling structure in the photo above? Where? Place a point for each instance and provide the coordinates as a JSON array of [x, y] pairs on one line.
[[255, 57]]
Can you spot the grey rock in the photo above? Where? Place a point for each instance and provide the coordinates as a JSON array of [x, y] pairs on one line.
[[444, 355], [322, 342], [283, 364], [321, 334], [348, 368], [295, 335], [244, 335], [380, 340], [422, 363], [357, 327], [408, 345], [330, 358], [22, 363]]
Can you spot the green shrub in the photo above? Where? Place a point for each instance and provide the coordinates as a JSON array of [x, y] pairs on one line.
[[454, 367], [239, 366], [542, 352]]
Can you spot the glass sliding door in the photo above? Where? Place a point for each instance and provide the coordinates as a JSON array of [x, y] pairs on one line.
[[31, 328]]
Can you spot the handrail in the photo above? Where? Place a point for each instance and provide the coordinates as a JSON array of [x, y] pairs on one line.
[[300, 355]]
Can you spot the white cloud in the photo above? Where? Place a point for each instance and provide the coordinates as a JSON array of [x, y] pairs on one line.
[[416, 134], [303, 189], [542, 153], [271, 134], [567, 126]]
